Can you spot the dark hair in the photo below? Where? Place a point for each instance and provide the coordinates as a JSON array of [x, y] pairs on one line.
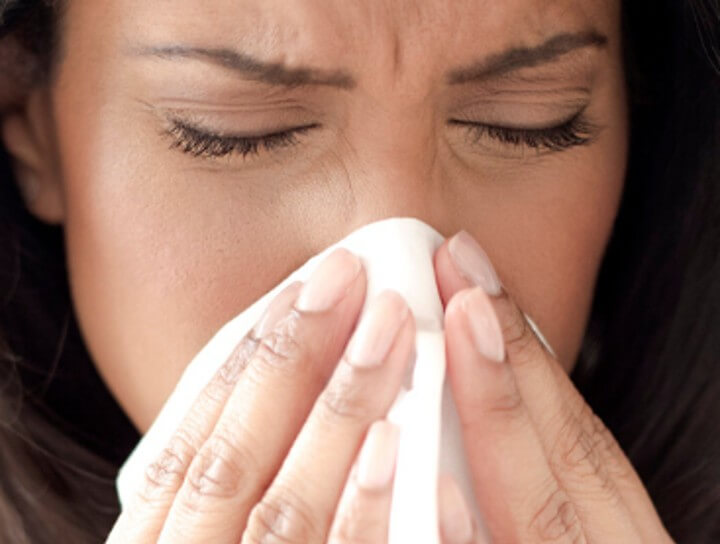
[[649, 365], [62, 436]]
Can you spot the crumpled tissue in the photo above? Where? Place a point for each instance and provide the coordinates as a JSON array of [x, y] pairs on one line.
[[397, 254]]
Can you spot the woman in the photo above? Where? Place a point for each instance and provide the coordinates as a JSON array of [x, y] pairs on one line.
[[168, 154]]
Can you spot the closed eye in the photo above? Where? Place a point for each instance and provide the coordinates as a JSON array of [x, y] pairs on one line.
[[576, 131], [200, 142]]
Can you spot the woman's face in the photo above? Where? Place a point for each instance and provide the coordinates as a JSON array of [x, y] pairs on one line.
[[175, 221]]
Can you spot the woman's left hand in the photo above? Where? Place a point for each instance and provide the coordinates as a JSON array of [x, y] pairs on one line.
[[545, 468]]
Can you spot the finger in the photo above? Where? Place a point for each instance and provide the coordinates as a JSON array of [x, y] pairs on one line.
[[515, 487], [143, 517], [456, 523], [267, 408], [363, 514], [458, 268], [361, 390], [582, 451]]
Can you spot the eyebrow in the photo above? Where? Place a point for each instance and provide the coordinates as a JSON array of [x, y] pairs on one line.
[[525, 57], [272, 73], [276, 73]]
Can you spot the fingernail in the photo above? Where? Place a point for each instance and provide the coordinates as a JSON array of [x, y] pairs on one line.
[[329, 282], [377, 330], [376, 462], [278, 308], [473, 263], [455, 521], [484, 325]]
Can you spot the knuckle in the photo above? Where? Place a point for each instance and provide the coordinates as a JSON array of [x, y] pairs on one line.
[[281, 517], [165, 475], [577, 455], [345, 398], [215, 393], [502, 414], [520, 339], [505, 405], [575, 448], [521, 343], [614, 458], [602, 437], [221, 470], [280, 348], [556, 520], [232, 368]]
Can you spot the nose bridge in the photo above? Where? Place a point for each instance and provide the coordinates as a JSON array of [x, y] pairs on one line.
[[394, 159], [402, 180]]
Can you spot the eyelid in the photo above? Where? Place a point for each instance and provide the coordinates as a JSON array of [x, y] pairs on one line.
[[201, 142], [254, 113], [576, 131], [524, 127], [198, 141], [518, 106], [219, 134]]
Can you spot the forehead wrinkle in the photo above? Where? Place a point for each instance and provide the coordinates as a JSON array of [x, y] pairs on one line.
[[374, 28], [400, 30], [384, 39], [364, 29]]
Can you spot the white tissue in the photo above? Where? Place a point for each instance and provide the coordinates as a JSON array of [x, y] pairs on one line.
[[397, 254]]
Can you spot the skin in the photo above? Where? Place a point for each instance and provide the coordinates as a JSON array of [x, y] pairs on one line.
[[164, 247]]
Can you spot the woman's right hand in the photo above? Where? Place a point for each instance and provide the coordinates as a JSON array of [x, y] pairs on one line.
[[265, 451]]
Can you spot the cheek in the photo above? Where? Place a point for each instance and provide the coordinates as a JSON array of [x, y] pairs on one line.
[[160, 256], [553, 241], [158, 261]]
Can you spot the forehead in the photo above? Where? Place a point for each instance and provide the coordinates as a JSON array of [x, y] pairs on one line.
[[329, 33]]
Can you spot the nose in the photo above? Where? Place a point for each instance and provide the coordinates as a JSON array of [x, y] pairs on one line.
[[400, 173]]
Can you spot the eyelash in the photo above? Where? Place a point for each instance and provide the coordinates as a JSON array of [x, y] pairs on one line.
[[576, 131], [199, 143]]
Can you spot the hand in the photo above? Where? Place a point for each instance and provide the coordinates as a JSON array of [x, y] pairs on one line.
[[265, 451], [545, 468]]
